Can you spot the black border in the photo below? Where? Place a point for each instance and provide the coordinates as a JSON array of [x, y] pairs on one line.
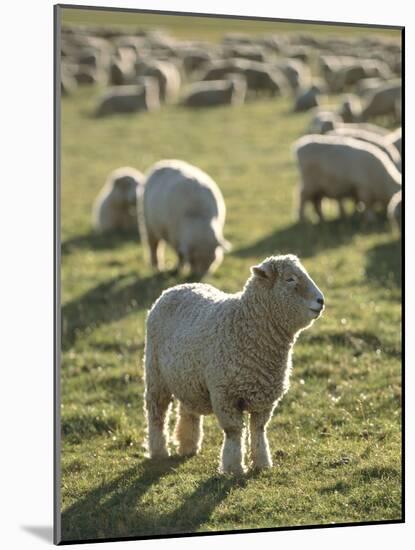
[[56, 275]]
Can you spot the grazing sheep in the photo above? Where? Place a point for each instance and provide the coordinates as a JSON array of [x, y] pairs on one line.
[[183, 206], [129, 99], [370, 137], [225, 354], [297, 73], [341, 167], [307, 99], [259, 76], [395, 210], [382, 101], [116, 204], [167, 75], [216, 92]]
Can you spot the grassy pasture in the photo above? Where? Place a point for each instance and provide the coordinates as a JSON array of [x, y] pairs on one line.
[[335, 438]]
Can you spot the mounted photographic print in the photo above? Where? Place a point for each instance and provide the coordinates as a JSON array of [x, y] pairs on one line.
[[229, 228]]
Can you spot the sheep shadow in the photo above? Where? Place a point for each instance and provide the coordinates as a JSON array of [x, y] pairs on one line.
[[116, 509], [96, 241], [384, 264], [110, 301], [308, 239]]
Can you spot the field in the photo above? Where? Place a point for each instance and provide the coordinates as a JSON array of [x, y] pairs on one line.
[[336, 436]]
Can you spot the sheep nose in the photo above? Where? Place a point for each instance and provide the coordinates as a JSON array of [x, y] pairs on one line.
[[320, 301]]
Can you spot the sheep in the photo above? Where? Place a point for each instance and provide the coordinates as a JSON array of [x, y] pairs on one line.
[[225, 354], [382, 100], [297, 73], [129, 99], [182, 206], [167, 75], [260, 77], [307, 99], [395, 210], [115, 206], [340, 167], [370, 137], [216, 92]]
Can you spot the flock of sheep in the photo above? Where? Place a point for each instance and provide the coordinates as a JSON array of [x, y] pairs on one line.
[[213, 351]]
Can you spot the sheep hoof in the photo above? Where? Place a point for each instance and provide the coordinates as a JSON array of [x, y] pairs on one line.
[[187, 451], [159, 455]]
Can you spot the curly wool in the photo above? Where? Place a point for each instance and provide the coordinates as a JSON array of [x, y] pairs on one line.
[[224, 353]]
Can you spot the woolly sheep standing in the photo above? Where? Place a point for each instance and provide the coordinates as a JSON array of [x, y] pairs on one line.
[[183, 206], [340, 167], [225, 354], [116, 204]]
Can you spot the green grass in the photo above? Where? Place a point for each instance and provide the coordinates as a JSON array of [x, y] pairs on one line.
[[212, 28], [336, 436]]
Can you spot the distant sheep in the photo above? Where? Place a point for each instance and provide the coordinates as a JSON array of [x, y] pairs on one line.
[[370, 137], [339, 168], [184, 207], [167, 75], [216, 92], [225, 354], [382, 101], [129, 99], [116, 205]]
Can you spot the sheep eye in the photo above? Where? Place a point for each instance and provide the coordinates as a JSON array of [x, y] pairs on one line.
[[290, 280]]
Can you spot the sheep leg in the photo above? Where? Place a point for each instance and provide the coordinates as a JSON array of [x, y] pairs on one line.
[[317, 208], [156, 252], [260, 454], [232, 454], [157, 401], [301, 206], [188, 432]]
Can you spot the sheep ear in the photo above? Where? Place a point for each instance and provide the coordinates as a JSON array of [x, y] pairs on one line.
[[259, 271], [264, 274]]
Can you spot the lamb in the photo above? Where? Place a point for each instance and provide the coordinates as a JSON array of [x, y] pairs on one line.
[[183, 206], [395, 210], [216, 92], [225, 354], [115, 207], [340, 167], [129, 99], [370, 137]]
